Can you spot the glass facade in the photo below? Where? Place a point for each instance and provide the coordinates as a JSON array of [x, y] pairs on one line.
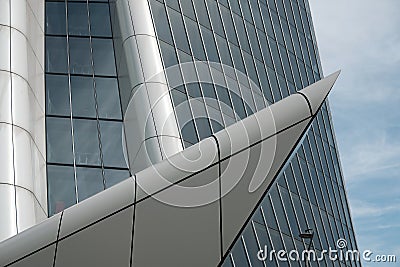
[[83, 111], [264, 51], [273, 44]]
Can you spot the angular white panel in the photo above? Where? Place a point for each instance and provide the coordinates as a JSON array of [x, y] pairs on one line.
[[5, 53], [98, 207], [105, 243], [176, 168], [176, 236], [317, 92], [42, 258], [241, 171], [6, 156], [29, 241], [289, 110], [5, 97]]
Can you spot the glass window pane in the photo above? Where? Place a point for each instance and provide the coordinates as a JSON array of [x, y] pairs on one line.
[[111, 144], [56, 54], [253, 41], [238, 105], [279, 211], [61, 188], [193, 90], [178, 30], [215, 17], [78, 19], [228, 24], [187, 9], [86, 140], [237, 59], [202, 13], [224, 51], [103, 57], [172, 3], [82, 95], [210, 46], [59, 140], [269, 213], [55, 18], [169, 54], [195, 39], [99, 20], [108, 102], [57, 95], [292, 219], [246, 10], [89, 181], [189, 133], [161, 21], [239, 255], [80, 61], [203, 127], [243, 40], [114, 177]]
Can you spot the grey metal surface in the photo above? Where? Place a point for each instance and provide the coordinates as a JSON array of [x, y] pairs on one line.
[[185, 211], [22, 124], [106, 243], [316, 93], [100, 205], [168, 235], [30, 241]]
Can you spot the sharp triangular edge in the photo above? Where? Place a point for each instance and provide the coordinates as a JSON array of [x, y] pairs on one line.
[[239, 203], [193, 230], [317, 92]]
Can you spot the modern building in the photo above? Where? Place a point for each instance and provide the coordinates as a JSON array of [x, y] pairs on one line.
[[137, 98]]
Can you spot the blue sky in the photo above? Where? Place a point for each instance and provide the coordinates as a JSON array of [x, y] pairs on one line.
[[362, 37]]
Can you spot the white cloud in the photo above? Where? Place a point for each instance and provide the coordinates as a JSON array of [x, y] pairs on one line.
[[362, 38], [365, 209]]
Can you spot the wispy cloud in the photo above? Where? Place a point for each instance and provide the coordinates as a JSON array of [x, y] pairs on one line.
[[362, 37], [369, 210]]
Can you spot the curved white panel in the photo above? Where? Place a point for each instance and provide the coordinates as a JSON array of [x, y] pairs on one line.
[[5, 43], [22, 167], [5, 12], [148, 113], [6, 155], [8, 226], [5, 97]]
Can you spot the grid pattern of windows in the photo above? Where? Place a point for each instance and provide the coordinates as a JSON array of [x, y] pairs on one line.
[[83, 110], [273, 44]]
